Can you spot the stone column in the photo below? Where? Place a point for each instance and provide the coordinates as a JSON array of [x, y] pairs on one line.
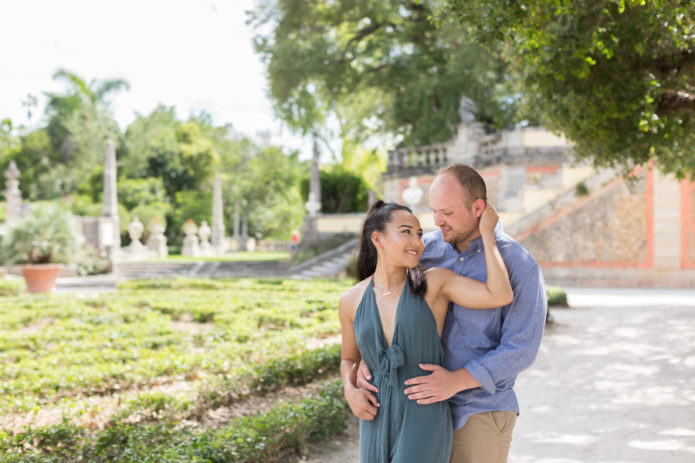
[[315, 179], [236, 220], [511, 192], [217, 218], [13, 195], [110, 235]]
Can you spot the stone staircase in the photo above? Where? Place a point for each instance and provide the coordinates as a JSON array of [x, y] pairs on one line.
[[327, 265], [201, 269]]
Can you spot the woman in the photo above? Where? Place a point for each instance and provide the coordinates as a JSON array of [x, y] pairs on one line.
[[393, 319]]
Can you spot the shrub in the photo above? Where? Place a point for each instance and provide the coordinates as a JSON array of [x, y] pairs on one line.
[[341, 191], [44, 236], [10, 287], [556, 296]]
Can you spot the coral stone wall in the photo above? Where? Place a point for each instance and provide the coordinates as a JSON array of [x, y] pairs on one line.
[[608, 230]]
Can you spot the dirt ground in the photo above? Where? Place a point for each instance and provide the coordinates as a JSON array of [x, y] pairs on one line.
[[614, 382]]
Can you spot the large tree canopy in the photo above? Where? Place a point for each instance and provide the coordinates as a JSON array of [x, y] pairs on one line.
[[56, 159], [616, 76], [375, 66]]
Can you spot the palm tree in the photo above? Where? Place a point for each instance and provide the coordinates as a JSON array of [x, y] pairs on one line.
[[80, 120]]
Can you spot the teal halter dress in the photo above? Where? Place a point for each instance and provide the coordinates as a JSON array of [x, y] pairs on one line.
[[402, 431]]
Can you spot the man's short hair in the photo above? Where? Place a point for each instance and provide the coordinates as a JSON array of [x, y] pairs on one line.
[[470, 180]]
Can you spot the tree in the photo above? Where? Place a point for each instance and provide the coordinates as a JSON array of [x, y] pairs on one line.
[[265, 182], [342, 191], [160, 146], [80, 120], [375, 67], [616, 76], [56, 159]]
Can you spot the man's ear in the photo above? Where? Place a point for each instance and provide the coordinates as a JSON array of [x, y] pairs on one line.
[[478, 208]]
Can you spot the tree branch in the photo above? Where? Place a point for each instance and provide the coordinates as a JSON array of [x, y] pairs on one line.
[[672, 65], [364, 32], [676, 101]]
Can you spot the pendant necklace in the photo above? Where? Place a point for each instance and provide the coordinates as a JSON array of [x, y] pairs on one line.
[[388, 291]]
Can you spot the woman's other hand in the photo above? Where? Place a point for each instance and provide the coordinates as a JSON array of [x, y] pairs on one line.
[[363, 404]]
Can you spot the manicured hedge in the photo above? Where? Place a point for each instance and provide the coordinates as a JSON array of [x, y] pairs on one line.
[[272, 437]]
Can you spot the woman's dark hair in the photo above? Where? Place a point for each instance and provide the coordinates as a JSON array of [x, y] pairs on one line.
[[378, 216]]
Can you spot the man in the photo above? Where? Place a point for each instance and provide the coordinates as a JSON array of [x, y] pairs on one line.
[[485, 349]]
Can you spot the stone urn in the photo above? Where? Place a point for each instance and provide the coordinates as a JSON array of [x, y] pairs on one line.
[[190, 242], [135, 229], [204, 232]]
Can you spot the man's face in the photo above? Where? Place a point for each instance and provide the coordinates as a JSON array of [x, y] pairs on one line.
[[454, 213]]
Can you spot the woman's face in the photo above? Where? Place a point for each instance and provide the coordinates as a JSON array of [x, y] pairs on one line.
[[401, 242]]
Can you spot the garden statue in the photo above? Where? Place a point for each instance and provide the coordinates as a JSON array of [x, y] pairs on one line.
[[190, 242]]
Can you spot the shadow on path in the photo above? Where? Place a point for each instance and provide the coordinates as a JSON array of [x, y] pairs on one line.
[[614, 382]]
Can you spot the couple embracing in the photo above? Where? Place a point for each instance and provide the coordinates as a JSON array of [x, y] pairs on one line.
[[429, 357]]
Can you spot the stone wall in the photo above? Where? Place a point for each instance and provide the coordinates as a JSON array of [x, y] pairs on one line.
[[607, 230], [636, 233], [688, 225]]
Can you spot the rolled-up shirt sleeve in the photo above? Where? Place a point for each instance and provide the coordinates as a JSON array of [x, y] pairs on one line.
[[523, 322]]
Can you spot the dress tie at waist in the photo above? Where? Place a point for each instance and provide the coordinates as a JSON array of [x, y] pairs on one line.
[[389, 361]]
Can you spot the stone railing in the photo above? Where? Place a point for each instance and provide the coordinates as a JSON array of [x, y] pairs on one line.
[[413, 160], [490, 151], [274, 245]]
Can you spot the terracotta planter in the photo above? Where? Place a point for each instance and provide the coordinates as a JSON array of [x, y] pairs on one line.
[[40, 278]]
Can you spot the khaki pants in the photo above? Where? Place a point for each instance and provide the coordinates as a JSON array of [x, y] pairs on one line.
[[485, 438]]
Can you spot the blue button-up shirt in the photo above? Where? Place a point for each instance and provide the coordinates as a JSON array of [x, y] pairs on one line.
[[494, 345]]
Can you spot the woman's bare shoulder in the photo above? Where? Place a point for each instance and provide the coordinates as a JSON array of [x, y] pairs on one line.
[[352, 297]]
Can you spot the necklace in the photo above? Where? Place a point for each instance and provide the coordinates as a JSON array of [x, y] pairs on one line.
[[386, 292]]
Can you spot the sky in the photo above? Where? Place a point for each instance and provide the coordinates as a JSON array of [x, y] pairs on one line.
[[192, 54]]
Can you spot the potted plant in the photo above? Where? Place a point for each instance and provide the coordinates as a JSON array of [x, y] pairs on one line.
[[43, 241]]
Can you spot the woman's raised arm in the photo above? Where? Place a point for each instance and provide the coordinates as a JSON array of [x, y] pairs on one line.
[[496, 291]]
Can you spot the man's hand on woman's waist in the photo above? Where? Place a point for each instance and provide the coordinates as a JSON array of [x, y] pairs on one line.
[[439, 385]]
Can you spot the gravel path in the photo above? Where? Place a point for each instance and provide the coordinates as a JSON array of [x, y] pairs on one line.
[[614, 382]]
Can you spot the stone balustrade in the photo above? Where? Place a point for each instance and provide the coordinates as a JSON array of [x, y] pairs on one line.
[[423, 158]]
